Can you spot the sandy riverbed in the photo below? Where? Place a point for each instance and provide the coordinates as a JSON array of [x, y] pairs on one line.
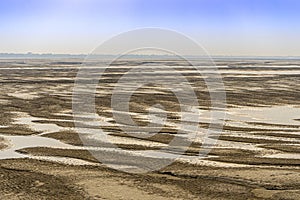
[[44, 158]]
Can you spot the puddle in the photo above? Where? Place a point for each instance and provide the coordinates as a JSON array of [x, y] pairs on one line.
[[27, 120], [20, 142], [25, 96], [277, 115], [284, 156]]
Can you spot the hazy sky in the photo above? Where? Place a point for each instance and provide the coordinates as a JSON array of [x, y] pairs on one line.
[[223, 27]]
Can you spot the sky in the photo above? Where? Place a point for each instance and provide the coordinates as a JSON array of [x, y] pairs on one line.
[[222, 27]]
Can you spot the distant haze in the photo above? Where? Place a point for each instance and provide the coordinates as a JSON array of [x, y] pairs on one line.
[[223, 27]]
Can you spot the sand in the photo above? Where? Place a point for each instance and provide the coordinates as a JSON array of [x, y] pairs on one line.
[[253, 158]]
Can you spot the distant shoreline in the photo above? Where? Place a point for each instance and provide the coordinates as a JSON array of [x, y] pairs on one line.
[[82, 56]]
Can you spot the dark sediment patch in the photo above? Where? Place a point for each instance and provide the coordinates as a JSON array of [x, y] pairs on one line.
[[69, 137], [33, 184], [3, 143], [251, 129], [274, 125], [69, 153], [17, 130], [97, 180], [73, 138], [276, 134]]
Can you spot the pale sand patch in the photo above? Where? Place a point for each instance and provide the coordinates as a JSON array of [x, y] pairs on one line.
[[65, 160], [3, 101], [280, 194], [208, 163], [114, 189], [25, 96], [263, 193]]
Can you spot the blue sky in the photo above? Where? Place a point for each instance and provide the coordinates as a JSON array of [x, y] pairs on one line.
[[223, 27]]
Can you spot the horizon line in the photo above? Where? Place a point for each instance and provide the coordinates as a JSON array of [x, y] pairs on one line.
[[30, 54]]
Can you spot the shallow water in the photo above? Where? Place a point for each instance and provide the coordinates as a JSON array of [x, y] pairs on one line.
[[44, 128], [271, 119], [283, 155], [20, 142], [237, 114], [275, 115]]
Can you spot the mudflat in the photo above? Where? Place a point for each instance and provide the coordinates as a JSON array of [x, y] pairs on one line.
[[256, 156]]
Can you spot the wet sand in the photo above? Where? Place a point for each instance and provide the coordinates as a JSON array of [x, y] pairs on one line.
[[256, 156]]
